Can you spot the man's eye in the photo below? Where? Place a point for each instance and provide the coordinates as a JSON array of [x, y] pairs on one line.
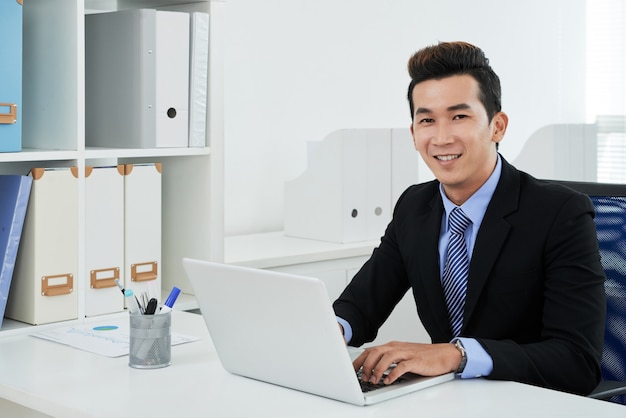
[[426, 120], [456, 117]]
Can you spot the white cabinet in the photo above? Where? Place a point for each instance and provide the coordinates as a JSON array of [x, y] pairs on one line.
[[54, 135], [335, 264]]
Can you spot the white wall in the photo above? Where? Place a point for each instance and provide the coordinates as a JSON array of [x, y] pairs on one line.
[[297, 70]]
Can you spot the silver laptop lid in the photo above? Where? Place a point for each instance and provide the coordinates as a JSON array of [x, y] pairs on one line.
[[275, 327]]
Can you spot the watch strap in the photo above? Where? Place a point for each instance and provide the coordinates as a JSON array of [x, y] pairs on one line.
[[459, 346]]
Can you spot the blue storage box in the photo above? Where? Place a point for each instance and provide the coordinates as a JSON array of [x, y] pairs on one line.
[[10, 75]]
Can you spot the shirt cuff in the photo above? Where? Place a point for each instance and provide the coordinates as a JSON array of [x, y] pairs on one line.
[[479, 362], [347, 329]]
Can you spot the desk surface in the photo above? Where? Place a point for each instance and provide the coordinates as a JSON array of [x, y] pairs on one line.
[[275, 249], [66, 382]]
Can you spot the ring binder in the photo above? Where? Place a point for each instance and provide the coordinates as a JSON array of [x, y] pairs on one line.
[[137, 73]]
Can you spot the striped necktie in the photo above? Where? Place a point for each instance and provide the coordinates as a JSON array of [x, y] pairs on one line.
[[456, 269]]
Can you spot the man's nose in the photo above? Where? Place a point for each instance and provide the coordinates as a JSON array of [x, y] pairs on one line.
[[443, 134]]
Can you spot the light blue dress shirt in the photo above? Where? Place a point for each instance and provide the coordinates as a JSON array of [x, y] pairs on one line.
[[479, 362]]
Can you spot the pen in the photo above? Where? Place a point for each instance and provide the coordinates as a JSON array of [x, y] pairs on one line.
[[131, 301], [152, 291], [171, 299], [151, 307], [124, 292], [117, 282], [143, 300]]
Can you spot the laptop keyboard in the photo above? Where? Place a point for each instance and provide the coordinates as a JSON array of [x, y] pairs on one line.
[[368, 387]]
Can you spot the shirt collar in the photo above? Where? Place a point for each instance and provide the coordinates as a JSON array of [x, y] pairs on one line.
[[476, 206]]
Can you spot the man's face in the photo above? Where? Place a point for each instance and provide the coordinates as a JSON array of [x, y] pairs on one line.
[[452, 133]]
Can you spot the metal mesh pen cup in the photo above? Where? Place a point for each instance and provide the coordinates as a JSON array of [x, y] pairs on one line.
[[150, 341]]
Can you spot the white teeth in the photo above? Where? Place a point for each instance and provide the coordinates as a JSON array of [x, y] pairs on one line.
[[447, 157]]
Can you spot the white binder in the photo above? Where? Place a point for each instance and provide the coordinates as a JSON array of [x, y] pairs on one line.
[[43, 288], [137, 74], [344, 194], [198, 78], [104, 239], [142, 234], [378, 182]]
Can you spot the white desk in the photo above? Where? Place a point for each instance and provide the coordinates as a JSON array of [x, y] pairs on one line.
[[66, 382], [275, 249]]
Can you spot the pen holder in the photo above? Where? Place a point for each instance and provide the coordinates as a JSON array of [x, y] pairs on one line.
[[150, 341]]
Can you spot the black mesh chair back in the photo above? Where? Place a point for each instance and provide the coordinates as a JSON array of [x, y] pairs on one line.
[[610, 204]]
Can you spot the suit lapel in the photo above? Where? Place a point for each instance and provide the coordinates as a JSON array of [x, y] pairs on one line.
[[491, 236], [429, 226]]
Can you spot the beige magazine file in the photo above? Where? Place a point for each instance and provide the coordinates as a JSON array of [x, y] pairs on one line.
[[142, 234], [104, 239], [43, 288]]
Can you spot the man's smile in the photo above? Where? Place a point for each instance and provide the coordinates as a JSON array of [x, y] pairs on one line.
[[447, 157]]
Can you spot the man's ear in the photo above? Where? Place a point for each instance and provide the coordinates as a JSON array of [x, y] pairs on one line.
[[500, 122]]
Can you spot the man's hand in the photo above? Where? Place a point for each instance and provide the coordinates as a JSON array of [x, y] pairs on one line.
[[423, 359]]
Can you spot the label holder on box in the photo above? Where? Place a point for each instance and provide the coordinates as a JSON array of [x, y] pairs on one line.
[[10, 117], [99, 279], [139, 273], [60, 284]]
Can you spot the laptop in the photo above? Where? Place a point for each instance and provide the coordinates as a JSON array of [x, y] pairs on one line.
[[280, 328]]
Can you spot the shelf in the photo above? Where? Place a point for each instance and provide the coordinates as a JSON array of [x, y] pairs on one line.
[[92, 153], [38, 155], [54, 136]]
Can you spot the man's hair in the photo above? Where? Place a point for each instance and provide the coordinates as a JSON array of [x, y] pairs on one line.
[[456, 58]]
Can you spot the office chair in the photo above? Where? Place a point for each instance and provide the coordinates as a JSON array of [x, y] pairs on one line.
[[610, 203]]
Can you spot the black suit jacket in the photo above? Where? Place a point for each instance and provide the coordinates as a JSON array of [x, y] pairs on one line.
[[535, 296]]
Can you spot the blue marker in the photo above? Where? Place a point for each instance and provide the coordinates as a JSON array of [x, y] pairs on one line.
[[171, 299]]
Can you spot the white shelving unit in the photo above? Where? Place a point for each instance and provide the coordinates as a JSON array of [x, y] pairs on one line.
[[54, 135]]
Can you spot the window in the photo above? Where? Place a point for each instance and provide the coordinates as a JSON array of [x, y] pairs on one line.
[[606, 85]]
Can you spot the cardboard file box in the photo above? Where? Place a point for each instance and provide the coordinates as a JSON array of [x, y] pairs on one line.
[[43, 286], [10, 75], [104, 239], [142, 232]]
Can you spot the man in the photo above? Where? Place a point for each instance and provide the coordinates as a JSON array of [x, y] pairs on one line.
[[531, 305]]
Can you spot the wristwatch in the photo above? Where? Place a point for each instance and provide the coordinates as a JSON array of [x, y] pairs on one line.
[[459, 345]]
